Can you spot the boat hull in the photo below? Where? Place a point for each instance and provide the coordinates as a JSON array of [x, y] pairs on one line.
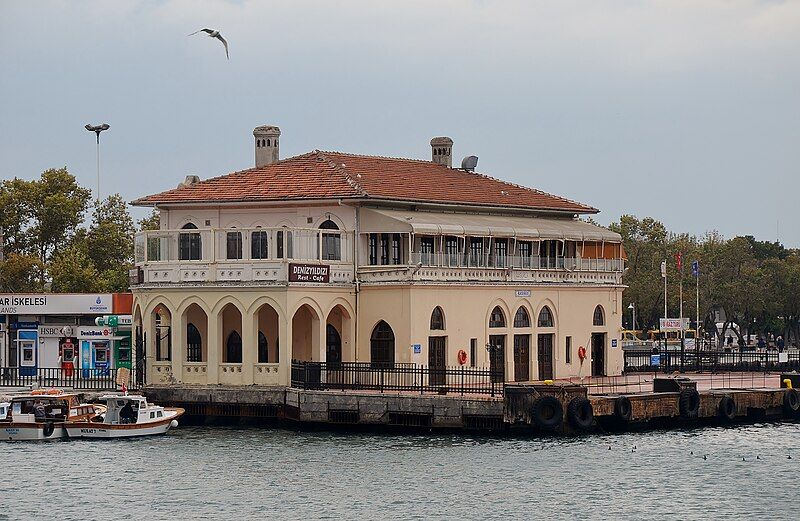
[[30, 432], [96, 430]]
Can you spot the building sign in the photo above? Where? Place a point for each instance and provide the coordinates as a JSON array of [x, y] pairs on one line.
[[309, 273], [523, 293], [51, 331], [54, 304], [417, 348], [673, 324], [613, 342], [88, 332]]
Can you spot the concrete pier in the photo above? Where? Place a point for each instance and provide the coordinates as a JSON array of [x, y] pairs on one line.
[[522, 408]]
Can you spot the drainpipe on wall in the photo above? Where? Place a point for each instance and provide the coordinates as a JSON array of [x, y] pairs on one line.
[[356, 236]]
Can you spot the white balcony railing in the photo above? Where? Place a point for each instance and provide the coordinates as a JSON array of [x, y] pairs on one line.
[[240, 254], [531, 262]]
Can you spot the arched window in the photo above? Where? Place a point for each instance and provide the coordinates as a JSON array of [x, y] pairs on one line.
[[268, 142], [331, 242], [263, 349], [381, 345], [497, 318], [545, 318], [599, 318], [521, 318], [233, 348], [194, 344], [437, 318], [189, 247]]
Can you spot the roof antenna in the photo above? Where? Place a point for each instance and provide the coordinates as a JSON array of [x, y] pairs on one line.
[[469, 163]]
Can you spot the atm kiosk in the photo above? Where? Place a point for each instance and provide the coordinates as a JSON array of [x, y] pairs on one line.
[[123, 356], [67, 352], [95, 357], [27, 341]]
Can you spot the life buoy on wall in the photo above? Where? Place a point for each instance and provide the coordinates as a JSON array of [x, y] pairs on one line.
[[582, 353], [462, 357]]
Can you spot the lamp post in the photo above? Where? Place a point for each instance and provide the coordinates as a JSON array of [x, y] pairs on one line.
[[97, 129], [632, 307]]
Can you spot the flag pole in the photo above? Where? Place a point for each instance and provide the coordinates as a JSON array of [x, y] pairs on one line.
[[680, 305]]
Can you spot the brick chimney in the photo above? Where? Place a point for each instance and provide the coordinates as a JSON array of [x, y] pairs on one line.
[[442, 151], [266, 144]]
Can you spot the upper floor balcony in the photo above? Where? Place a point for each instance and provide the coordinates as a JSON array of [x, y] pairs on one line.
[[239, 255]]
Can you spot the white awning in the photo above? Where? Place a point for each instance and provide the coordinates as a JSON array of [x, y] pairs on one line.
[[428, 223]]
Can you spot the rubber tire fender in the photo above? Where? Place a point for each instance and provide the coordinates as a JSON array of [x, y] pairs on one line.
[[726, 409], [623, 410], [580, 414], [791, 402], [689, 403], [49, 428], [547, 412]]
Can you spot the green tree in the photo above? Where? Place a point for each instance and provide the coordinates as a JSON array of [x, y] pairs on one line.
[[72, 271], [57, 206], [109, 242], [19, 273], [15, 214]]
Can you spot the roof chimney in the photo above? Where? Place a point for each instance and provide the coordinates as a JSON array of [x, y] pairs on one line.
[[189, 181], [441, 151], [266, 144]]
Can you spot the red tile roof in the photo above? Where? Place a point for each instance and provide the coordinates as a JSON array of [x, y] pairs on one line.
[[336, 175]]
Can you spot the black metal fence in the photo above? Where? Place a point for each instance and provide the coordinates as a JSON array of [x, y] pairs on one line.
[[89, 379], [646, 360], [397, 377]]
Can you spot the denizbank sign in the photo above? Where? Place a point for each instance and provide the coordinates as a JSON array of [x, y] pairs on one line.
[[54, 304]]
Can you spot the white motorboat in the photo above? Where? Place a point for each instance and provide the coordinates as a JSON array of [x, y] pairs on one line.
[[125, 416], [41, 414]]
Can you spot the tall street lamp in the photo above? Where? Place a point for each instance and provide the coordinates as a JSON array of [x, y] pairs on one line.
[[633, 312], [97, 129]]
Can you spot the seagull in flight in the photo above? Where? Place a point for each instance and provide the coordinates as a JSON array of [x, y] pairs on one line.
[[213, 33]]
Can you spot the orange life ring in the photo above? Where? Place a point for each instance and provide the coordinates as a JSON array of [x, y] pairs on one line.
[[582, 353], [462, 357]]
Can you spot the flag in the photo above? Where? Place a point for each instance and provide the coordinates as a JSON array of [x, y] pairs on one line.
[[664, 269], [696, 268], [679, 261]]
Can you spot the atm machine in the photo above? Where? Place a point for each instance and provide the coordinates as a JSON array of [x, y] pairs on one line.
[[95, 357], [27, 341], [67, 351]]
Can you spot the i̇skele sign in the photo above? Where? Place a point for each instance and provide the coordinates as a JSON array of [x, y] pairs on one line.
[[309, 273]]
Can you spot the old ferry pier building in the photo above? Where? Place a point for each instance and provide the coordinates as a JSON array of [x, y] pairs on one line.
[[335, 257]]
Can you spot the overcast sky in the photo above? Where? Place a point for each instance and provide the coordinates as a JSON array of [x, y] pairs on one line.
[[686, 111]]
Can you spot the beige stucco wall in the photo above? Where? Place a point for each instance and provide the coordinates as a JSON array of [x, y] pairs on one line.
[[406, 308], [467, 308]]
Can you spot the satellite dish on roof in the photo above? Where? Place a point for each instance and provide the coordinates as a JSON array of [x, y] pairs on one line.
[[469, 163]]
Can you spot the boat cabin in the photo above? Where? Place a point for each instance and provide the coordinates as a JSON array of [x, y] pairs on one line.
[[4, 410], [42, 407], [130, 409]]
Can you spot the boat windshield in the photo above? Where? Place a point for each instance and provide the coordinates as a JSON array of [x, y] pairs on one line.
[[42, 407]]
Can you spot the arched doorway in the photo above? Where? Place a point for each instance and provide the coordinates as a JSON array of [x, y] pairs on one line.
[[267, 335], [231, 334], [162, 337], [598, 343], [497, 345], [522, 345], [305, 334], [545, 341], [437, 348], [195, 324], [381, 345], [333, 347], [233, 348]]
